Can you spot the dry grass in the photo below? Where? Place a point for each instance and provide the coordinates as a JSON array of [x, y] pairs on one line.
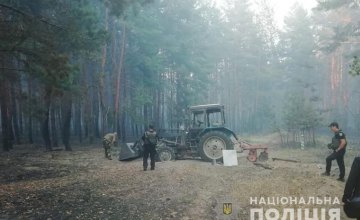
[[83, 185]]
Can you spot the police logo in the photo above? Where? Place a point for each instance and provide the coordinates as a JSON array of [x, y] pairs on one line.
[[227, 208]]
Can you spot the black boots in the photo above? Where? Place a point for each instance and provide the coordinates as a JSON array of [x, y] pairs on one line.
[[325, 174]]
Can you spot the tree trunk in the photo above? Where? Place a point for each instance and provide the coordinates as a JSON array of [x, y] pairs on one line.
[[101, 81], [157, 108], [118, 81], [30, 121], [21, 111], [313, 136], [77, 119], [45, 122], [54, 134], [30, 133], [145, 115], [5, 115], [66, 111], [87, 103], [94, 115], [15, 121]]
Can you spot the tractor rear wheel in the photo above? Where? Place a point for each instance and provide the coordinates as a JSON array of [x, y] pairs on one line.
[[212, 143], [264, 156], [165, 154]]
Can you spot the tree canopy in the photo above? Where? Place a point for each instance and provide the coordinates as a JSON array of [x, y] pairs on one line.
[[76, 70]]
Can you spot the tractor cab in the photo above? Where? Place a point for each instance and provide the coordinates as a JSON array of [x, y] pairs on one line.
[[207, 116]]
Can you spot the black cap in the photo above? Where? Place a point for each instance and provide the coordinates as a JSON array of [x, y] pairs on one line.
[[334, 124]]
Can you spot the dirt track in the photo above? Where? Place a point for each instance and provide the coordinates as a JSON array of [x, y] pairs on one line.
[[83, 185]]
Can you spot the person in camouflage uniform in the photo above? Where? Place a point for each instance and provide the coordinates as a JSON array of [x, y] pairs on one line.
[[108, 142], [150, 139]]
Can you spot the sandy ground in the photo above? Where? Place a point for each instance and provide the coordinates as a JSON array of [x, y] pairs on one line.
[[84, 185]]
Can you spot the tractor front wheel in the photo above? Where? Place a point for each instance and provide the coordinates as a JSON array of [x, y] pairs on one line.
[[165, 154], [212, 143]]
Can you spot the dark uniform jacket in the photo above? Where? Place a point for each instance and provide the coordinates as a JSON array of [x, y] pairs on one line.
[[336, 139], [352, 187], [351, 196], [150, 138]]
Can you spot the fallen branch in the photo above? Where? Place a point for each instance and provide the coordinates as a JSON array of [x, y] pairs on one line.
[[287, 160], [263, 165]]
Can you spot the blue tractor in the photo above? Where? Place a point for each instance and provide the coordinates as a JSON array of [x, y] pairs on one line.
[[203, 135]]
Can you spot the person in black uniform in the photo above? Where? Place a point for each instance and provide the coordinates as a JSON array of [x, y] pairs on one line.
[[150, 139], [352, 191], [338, 145]]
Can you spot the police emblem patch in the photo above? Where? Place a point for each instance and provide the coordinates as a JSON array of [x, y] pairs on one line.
[[227, 208]]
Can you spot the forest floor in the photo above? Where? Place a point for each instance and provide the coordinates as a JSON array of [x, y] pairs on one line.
[[82, 184]]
